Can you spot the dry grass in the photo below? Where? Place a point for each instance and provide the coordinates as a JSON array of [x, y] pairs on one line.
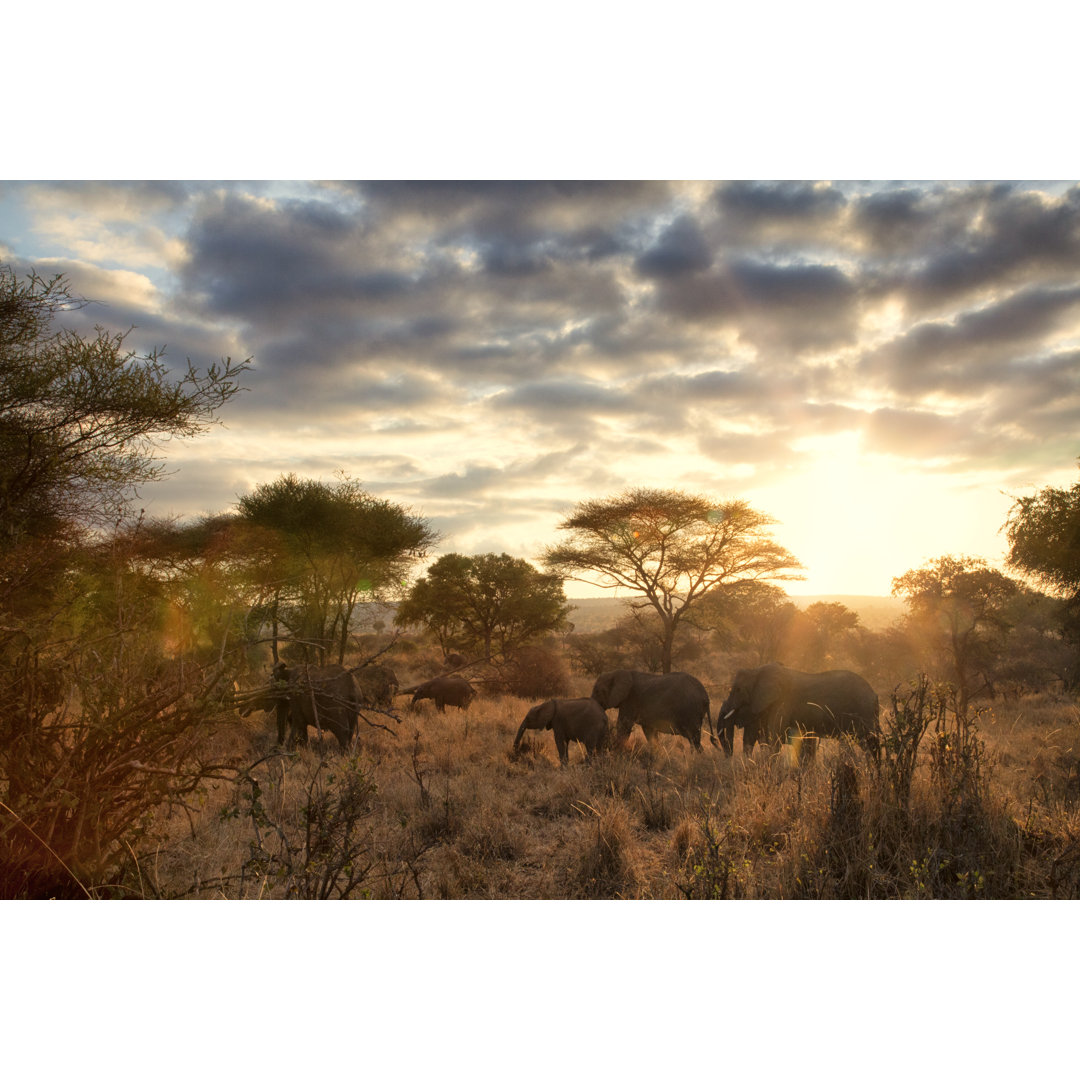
[[446, 809]]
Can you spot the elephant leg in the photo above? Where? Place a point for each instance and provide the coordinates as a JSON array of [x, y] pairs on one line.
[[298, 731], [870, 742], [344, 737], [563, 747]]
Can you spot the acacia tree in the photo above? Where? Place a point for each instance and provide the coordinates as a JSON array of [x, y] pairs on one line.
[[81, 419], [87, 748], [961, 602], [335, 546], [488, 605], [671, 548], [1044, 542]]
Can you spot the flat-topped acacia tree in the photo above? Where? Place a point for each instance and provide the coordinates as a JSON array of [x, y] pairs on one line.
[[670, 547]]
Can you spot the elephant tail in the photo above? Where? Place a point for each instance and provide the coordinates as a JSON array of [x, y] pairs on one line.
[[712, 733]]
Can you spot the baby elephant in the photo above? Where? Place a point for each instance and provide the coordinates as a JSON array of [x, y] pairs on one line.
[[573, 720]]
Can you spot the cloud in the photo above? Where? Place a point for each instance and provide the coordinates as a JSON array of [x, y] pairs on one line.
[[981, 349], [788, 307], [916, 433], [681, 249], [459, 343], [560, 397], [748, 448], [777, 214], [980, 239]]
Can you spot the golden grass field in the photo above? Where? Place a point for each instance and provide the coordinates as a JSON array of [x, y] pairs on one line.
[[444, 809]]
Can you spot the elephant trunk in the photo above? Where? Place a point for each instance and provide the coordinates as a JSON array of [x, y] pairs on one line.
[[727, 731], [520, 734]]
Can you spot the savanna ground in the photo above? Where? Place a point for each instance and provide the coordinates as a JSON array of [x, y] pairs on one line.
[[443, 808]]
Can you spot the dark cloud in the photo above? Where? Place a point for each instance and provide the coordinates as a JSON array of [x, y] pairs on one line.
[[681, 249], [514, 260], [491, 199], [563, 397], [752, 207], [269, 262], [785, 306], [975, 240], [899, 221], [791, 286], [979, 349]]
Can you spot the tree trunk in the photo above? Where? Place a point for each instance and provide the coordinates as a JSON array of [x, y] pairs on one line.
[[668, 644], [274, 631]]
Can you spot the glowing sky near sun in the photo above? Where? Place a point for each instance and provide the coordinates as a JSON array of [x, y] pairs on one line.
[[881, 367]]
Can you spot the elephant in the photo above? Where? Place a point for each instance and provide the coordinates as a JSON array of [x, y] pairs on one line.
[[307, 696], [768, 701], [445, 690], [573, 720], [376, 684], [676, 703]]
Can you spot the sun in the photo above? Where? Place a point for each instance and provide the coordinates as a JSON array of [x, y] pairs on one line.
[[857, 520]]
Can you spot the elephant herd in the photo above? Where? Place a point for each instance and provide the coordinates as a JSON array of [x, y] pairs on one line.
[[331, 698], [769, 704]]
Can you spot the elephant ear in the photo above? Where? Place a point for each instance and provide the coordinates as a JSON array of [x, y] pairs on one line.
[[768, 690], [547, 714], [622, 682]]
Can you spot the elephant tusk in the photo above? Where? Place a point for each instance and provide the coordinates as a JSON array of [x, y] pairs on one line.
[[729, 714]]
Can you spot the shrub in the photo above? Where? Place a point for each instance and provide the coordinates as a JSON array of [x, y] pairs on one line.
[[606, 866], [535, 673], [325, 852]]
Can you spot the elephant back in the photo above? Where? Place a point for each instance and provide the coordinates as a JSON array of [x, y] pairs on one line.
[[376, 684]]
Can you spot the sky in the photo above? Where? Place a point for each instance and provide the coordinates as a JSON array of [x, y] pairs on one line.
[[880, 366]]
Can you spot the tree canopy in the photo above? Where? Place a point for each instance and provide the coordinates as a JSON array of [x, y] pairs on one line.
[[1044, 538], [81, 418], [962, 602], [1044, 543], [326, 547], [486, 605], [670, 547]]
